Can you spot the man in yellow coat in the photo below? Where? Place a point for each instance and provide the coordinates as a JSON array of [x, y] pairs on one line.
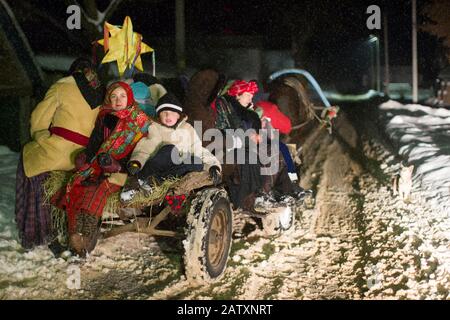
[[60, 128]]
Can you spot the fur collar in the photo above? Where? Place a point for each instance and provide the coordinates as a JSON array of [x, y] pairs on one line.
[[93, 96]]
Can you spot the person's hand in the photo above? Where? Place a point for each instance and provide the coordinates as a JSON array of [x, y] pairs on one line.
[[133, 167], [256, 138], [108, 163], [214, 174], [266, 123], [104, 159], [80, 160]]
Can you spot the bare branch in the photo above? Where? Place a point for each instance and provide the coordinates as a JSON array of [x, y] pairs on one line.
[[55, 23], [95, 17]]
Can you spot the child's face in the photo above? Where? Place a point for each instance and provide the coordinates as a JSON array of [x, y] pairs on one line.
[[245, 99], [169, 118]]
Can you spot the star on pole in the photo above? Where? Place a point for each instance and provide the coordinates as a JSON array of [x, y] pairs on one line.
[[123, 45]]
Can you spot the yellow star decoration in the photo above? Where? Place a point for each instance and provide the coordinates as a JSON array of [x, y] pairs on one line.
[[123, 45]]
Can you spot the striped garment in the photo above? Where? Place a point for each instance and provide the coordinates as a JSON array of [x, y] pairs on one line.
[[90, 199], [32, 214]]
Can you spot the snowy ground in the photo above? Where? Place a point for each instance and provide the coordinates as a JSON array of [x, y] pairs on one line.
[[422, 135], [22, 274], [359, 242]]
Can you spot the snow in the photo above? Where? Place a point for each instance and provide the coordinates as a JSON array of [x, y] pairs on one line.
[[20, 269], [8, 165], [400, 253], [421, 135]]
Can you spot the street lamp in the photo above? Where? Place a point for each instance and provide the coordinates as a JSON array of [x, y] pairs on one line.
[[376, 40]]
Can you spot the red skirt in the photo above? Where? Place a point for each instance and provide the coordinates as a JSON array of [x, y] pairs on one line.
[[89, 199]]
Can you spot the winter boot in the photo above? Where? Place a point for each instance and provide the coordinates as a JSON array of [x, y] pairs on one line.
[[87, 231], [130, 189]]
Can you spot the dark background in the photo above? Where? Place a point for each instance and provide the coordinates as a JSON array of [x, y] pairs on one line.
[[328, 38], [324, 34]]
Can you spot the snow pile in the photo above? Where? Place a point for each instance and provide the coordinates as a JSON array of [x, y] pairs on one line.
[[408, 256], [421, 135], [8, 165], [22, 274]]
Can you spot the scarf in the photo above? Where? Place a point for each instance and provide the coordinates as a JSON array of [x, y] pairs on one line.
[[118, 143], [92, 92]]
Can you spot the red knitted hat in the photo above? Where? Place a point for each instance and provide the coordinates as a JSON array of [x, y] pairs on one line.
[[240, 86], [278, 119]]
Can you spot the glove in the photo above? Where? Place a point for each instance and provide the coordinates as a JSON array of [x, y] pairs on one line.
[[80, 160], [133, 167], [108, 163], [104, 159], [214, 174], [237, 142]]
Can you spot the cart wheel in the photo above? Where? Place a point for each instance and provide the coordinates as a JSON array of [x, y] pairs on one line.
[[279, 220], [208, 236]]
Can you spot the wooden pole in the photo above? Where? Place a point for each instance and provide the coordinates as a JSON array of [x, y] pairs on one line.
[[378, 64], [415, 78], [386, 57], [180, 41]]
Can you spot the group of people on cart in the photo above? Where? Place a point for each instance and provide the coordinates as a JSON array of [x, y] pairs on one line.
[[128, 135]]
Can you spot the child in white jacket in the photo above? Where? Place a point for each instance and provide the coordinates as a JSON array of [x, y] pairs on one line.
[[172, 148]]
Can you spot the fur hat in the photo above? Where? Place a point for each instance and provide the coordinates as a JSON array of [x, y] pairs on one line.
[[142, 95], [80, 64], [169, 102], [146, 78]]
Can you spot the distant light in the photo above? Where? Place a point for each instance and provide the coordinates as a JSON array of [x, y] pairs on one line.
[[372, 38]]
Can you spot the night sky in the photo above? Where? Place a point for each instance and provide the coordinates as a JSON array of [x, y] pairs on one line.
[[329, 30]]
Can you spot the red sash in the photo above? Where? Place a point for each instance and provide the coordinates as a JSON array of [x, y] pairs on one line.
[[70, 135]]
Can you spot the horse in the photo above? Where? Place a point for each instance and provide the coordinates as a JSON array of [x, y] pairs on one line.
[[203, 88], [287, 92], [290, 95]]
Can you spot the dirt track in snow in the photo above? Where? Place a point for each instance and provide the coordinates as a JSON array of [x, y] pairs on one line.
[[310, 261], [355, 243]]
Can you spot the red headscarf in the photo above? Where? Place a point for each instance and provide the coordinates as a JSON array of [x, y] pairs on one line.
[[114, 86], [118, 143], [240, 86]]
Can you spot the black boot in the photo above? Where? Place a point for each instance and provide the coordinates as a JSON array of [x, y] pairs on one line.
[[298, 192]]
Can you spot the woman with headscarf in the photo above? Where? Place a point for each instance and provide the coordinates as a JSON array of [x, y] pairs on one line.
[[234, 111], [101, 169], [60, 127]]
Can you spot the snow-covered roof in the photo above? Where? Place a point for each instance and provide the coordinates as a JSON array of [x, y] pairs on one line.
[[51, 62]]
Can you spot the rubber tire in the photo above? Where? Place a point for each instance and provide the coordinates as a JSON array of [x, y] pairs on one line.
[[207, 204]]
